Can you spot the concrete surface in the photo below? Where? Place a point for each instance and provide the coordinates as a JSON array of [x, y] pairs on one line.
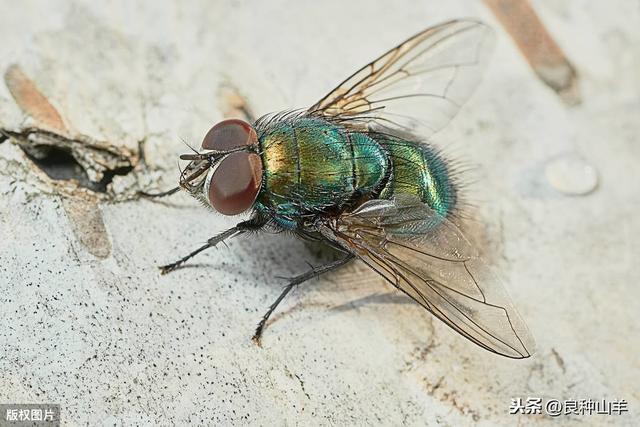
[[87, 321]]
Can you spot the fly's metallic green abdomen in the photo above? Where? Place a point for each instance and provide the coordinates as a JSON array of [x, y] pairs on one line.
[[419, 170], [313, 167]]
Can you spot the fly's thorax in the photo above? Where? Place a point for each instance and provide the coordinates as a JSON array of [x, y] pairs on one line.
[[312, 166]]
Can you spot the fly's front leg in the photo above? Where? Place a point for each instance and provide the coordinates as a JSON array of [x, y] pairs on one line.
[[297, 280], [158, 195], [212, 242]]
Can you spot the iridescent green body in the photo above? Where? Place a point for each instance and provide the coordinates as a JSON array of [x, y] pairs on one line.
[[315, 167]]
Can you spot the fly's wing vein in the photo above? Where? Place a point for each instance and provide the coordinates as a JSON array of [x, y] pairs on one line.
[[417, 86], [428, 259]]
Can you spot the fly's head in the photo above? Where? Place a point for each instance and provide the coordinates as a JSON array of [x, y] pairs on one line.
[[227, 174]]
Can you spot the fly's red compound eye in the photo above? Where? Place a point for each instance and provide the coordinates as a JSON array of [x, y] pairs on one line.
[[229, 134], [235, 183]]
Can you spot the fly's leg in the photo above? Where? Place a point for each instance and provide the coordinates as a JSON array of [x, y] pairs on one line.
[[295, 281], [158, 195], [213, 241]]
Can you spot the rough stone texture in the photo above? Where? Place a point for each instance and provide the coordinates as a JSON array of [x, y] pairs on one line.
[[89, 323]]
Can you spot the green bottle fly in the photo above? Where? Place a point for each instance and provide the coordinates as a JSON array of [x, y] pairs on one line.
[[354, 171]]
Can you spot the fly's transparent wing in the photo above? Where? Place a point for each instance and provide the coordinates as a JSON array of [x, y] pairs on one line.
[[416, 87], [427, 257]]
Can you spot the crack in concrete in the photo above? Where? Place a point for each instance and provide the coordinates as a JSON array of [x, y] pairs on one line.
[[302, 386], [559, 360], [98, 159]]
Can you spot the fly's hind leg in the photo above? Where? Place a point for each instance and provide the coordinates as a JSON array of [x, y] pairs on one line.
[[295, 281], [213, 241]]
